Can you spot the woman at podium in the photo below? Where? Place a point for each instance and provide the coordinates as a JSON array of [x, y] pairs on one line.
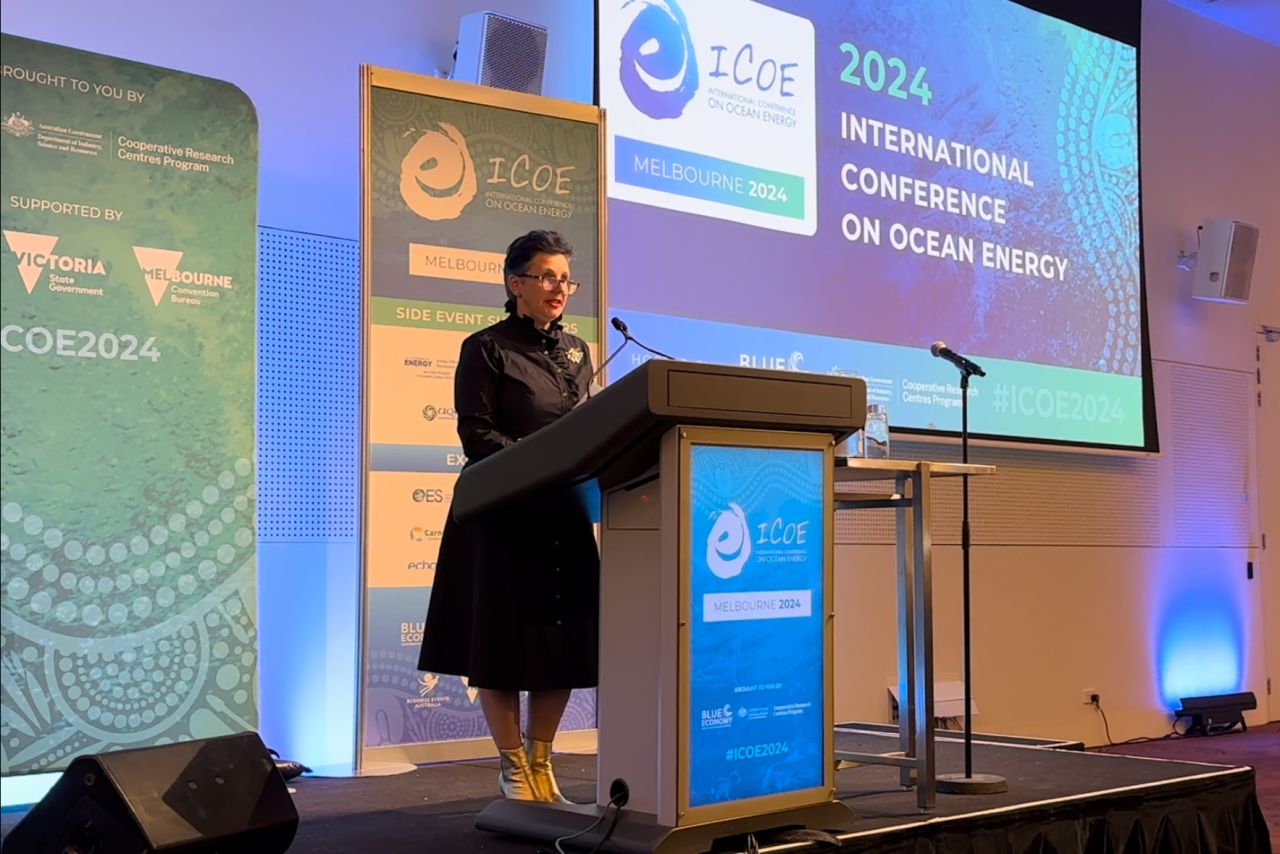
[[515, 602]]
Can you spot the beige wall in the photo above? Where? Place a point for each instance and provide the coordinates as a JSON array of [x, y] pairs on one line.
[[1076, 555]]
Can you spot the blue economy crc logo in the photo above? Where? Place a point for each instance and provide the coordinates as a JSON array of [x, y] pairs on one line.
[[659, 71], [729, 543]]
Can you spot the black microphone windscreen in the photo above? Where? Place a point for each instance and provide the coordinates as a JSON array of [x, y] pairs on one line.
[[620, 326]]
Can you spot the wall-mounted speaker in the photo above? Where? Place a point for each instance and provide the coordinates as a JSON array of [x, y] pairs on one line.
[[1224, 261], [214, 795], [506, 53]]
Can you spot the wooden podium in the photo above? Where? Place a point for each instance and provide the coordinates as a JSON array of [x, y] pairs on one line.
[[714, 489]]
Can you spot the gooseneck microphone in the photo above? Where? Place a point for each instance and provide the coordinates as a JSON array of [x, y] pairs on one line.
[[627, 338], [595, 375], [626, 333], [942, 351]]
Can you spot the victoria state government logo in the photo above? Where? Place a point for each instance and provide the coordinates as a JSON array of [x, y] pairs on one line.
[[659, 70], [34, 253], [437, 176], [729, 543]]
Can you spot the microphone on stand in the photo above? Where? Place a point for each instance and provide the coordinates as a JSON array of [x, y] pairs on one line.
[[626, 333], [627, 338], [592, 388], [968, 782], [942, 351]]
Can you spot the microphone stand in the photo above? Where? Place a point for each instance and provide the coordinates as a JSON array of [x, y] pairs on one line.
[[968, 783], [632, 339]]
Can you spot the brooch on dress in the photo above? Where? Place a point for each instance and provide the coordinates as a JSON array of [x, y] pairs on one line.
[[574, 354]]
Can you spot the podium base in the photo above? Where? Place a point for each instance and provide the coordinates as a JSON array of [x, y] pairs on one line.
[[640, 833], [978, 784]]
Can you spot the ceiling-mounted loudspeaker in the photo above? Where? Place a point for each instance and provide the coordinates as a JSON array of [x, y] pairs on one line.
[[1224, 261], [506, 53]]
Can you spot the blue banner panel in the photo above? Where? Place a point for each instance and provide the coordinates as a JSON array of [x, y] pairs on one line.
[[756, 644]]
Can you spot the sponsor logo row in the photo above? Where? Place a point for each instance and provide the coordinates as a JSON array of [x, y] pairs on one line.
[[723, 717], [160, 270]]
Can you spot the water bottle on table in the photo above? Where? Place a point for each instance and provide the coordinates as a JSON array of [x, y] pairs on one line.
[[876, 434]]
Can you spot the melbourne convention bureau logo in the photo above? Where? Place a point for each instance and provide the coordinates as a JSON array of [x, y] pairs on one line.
[[437, 175], [659, 70], [729, 543]]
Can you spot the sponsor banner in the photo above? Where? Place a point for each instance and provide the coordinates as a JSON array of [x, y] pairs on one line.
[[756, 646], [128, 276], [414, 403], [423, 314], [448, 185], [404, 705], [407, 706], [406, 518], [451, 183]]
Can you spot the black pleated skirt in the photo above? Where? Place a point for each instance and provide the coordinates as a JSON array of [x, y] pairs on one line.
[[516, 598]]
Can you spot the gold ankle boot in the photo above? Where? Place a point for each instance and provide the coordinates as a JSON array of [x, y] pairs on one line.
[[544, 778], [516, 779]]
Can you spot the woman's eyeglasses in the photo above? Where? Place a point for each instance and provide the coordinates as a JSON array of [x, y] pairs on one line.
[[550, 282]]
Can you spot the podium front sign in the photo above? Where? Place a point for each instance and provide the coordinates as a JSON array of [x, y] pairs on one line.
[[756, 600]]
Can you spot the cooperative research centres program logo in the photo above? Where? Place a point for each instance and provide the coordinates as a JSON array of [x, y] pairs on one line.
[[659, 69], [437, 175]]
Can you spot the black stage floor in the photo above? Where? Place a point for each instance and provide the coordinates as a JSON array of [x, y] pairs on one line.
[[1059, 800]]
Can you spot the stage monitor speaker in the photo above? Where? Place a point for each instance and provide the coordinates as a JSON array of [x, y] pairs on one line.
[[215, 795], [506, 53], [1224, 261]]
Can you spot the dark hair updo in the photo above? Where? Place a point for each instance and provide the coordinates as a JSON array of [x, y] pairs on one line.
[[521, 252]]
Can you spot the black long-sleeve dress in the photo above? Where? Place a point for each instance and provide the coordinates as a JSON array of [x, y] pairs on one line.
[[515, 601]]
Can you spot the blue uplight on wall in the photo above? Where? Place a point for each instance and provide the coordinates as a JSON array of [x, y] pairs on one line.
[[1199, 628]]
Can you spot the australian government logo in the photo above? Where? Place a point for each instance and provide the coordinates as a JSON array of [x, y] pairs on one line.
[[16, 124], [35, 255], [53, 137], [160, 270]]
